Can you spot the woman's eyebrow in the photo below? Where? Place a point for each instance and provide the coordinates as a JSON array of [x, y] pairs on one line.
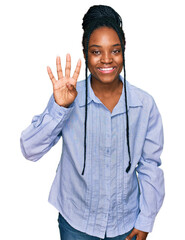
[[94, 45], [115, 45]]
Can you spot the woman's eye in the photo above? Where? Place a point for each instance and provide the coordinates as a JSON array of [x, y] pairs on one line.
[[116, 51], [96, 52]]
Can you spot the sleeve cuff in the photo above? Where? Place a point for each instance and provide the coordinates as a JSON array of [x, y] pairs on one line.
[[144, 224], [59, 112]]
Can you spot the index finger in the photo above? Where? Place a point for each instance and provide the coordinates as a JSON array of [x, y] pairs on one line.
[[77, 70]]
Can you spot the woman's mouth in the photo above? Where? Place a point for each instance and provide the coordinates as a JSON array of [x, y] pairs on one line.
[[106, 70]]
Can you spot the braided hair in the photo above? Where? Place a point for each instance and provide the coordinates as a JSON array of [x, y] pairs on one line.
[[103, 16]]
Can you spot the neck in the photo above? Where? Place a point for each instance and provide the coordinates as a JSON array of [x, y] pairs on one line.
[[106, 89]]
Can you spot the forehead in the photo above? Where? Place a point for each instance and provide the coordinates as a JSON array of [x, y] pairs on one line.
[[104, 36]]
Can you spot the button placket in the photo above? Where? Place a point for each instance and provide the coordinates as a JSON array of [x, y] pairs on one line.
[[107, 159]]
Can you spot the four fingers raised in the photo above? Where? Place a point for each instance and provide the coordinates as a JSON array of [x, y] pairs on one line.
[[67, 69]]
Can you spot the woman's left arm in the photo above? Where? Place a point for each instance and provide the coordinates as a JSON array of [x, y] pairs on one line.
[[151, 178]]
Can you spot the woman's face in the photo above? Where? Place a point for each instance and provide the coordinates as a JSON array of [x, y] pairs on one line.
[[105, 60]]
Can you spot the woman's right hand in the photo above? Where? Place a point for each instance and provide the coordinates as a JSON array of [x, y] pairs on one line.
[[64, 89]]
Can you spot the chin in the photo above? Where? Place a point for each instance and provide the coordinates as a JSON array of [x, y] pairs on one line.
[[107, 79]]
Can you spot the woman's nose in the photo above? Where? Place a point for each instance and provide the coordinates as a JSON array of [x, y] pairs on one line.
[[106, 58]]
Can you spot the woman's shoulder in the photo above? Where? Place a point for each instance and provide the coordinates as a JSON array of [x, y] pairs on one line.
[[136, 93]]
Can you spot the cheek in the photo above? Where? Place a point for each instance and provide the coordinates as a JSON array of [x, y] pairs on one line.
[[92, 62], [120, 62]]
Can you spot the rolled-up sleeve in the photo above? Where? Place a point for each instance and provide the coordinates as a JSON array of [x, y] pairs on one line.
[[151, 178], [44, 131]]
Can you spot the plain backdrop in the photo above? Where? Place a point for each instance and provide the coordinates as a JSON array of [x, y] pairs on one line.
[[33, 33]]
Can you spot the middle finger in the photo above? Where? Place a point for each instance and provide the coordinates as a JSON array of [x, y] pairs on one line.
[[68, 66]]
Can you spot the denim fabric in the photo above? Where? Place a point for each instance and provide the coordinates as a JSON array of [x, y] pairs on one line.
[[67, 232]]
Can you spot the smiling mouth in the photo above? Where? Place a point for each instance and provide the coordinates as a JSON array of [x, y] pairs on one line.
[[106, 70]]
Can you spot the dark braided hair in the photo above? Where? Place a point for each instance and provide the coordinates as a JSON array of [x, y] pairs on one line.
[[103, 16]]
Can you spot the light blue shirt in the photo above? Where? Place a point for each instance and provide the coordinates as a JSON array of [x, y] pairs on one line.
[[105, 198]]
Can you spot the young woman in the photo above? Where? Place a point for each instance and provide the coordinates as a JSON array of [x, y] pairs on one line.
[[110, 131]]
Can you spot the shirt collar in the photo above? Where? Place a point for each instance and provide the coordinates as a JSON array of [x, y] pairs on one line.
[[132, 97]]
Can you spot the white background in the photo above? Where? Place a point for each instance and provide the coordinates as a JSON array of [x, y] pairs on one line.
[[33, 33]]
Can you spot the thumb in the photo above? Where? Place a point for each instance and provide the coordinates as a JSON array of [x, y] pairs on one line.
[[131, 235], [70, 86]]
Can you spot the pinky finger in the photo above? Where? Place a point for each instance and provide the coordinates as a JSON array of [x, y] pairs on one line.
[[51, 75]]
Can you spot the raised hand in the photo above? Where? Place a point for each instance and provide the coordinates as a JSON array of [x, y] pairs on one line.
[[64, 89]]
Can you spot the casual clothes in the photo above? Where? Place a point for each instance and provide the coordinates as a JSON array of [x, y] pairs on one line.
[[69, 233], [105, 198]]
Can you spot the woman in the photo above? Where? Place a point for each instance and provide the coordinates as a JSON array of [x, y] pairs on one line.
[[110, 131]]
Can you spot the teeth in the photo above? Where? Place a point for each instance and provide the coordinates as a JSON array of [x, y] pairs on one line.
[[106, 69]]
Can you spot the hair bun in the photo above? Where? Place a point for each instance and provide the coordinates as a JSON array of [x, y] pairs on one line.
[[97, 12]]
